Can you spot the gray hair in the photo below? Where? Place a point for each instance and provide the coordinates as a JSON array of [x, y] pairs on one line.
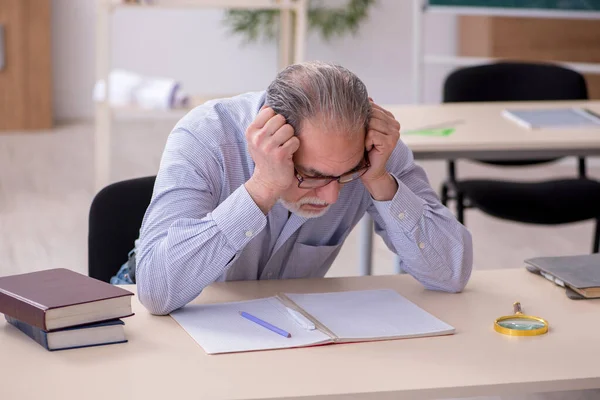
[[323, 93]]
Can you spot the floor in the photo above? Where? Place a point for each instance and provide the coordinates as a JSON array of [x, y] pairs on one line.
[[46, 187]]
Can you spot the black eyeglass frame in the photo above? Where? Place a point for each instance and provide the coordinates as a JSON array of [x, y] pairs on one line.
[[326, 180]]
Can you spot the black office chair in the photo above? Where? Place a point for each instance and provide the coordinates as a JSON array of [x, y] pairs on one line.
[[115, 219], [548, 202]]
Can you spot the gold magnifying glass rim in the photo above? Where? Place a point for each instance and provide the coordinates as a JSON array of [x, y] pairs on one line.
[[517, 332]]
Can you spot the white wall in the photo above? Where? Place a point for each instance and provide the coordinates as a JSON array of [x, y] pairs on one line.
[[73, 57], [195, 47]]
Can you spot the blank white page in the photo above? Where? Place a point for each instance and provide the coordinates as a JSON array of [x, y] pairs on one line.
[[219, 328], [370, 314]]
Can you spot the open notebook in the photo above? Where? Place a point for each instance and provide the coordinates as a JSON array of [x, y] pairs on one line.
[[339, 317]]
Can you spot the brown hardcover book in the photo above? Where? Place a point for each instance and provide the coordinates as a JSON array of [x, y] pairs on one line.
[[59, 298]]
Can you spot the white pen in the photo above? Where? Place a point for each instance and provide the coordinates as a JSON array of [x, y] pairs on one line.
[[301, 319]]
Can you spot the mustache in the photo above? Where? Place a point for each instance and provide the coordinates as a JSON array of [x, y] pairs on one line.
[[312, 200]]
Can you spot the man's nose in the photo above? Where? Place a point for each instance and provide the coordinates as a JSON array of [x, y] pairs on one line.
[[329, 192]]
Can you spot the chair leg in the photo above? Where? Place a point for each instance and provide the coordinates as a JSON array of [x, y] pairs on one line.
[[582, 167], [596, 246], [460, 207], [444, 194]]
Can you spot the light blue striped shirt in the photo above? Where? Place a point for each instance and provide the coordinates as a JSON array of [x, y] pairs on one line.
[[202, 225]]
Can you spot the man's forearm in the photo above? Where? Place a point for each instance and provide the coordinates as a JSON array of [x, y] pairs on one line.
[[168, 278], [264, 198], [178, 259], [444, 254], [382, 189], [433, 246]]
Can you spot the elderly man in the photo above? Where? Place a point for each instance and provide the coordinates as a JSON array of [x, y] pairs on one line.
[[268, 185]]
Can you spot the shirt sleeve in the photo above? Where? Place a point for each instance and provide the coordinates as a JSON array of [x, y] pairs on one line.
[[188, 240], [431, 244]]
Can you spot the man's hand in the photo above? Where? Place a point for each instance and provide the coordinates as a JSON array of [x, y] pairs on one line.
[[382, 136], [272, 144]]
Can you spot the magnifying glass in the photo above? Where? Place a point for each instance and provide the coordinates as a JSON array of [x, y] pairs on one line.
[[520, 324]]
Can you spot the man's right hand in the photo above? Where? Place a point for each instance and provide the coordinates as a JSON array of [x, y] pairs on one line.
[[272, 144]]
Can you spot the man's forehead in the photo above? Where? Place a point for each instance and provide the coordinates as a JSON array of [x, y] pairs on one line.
[[330, 163]]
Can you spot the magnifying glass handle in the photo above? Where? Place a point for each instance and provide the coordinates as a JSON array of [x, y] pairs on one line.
[[517, 307]]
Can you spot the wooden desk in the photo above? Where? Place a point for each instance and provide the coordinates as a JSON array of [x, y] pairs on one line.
[[162, 362], [486, 134]]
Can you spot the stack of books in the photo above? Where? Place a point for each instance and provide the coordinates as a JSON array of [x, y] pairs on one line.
[[62, 309]]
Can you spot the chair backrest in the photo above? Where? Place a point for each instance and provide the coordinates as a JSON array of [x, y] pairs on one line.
[[115, 219], [514, 81], [511, 81]]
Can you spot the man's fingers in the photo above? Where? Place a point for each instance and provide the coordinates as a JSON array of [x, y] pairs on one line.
[[381, 126], [381, 115], [282, 135], [265, 114], [377, 139], [274, 124], [369, 140], [378, 107], [378, 113], [290, 147]]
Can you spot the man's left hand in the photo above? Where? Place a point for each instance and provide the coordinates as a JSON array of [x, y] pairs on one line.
[[383, 134]]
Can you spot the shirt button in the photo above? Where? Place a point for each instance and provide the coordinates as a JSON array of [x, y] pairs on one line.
[[421, 245], [401, 215], [249, 233]]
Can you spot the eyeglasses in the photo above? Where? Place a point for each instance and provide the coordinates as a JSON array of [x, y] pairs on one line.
[[312, 183]]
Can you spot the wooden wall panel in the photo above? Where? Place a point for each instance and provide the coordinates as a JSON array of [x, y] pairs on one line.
[[26, 80], [536, 39]]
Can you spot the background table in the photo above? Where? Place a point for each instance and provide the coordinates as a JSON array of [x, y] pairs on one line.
[[482, 133], [485, 134]]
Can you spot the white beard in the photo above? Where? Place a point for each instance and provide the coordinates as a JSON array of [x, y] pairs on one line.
[[295, 207]]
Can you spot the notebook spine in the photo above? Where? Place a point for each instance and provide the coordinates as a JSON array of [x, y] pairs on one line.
[[33, 332], [21, 310], [286, 301]]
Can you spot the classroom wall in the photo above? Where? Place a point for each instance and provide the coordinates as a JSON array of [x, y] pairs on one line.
[[195, 47]]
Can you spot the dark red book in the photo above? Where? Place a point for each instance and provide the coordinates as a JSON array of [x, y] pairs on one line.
[[59, 298]]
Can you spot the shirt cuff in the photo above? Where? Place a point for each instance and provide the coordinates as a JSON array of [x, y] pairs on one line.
[[404, 211], [239, 218]]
